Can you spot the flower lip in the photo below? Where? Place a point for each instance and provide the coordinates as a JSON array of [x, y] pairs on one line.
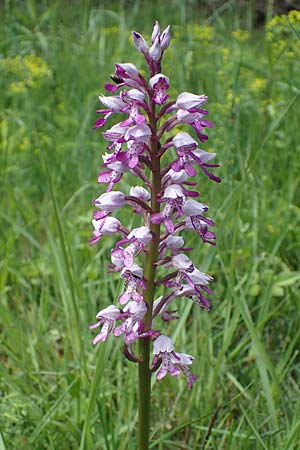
[[159, 80]]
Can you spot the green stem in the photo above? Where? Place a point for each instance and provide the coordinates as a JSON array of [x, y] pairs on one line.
[[144, 389], [144, 393]]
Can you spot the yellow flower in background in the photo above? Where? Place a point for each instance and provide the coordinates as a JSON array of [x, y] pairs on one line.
[[283, 28], [240, 35], [203, 33], [290, 55], [257, 85], [282, 37], [111, 30], [17, 87], [24, 72], [36, 66], [294, 17], [274, 24], [225, 52], [229, 96], [24, 144], [280, 46]]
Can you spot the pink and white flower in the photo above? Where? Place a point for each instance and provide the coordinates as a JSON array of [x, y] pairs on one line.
[[107, 318], [132, 326], [160, 84], [107, 225], [171, 362]]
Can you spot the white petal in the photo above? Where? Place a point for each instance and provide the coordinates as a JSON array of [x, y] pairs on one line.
[[176, 177], [136, 309], [162, 344], [110, 201], [135, 94], [134, 269], [198, 277], [130, 70], [111, 312], [193, 208], [114, 103], [183, 139], [140, 132], [174, 242], [183, 359], [173, 191], [204, 156], [181, 262], [140, 192], [143, 234], [186, 100]]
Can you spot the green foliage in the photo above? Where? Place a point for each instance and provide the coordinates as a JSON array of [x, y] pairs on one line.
[[57, 391]]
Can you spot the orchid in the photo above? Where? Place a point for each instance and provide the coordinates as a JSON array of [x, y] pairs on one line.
[[152, 256]]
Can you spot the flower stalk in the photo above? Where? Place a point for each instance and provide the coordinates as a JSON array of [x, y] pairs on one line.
[[138, 145], [144, 383]]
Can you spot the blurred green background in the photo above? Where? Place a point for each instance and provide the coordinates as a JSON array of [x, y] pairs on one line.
[[57, 391]]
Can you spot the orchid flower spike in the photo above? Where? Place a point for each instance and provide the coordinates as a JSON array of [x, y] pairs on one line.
[[158, 206]]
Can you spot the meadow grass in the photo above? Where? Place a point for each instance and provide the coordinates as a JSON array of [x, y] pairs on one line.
[[57, 391]]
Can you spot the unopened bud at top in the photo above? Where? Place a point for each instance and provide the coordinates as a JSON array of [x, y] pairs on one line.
[[155, 50], [140, 42], [165, 38], [156, 31]]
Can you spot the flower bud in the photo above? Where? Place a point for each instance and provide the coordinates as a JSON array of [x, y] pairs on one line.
[[140, 42], [155, 50], [155, 32], [165, 38]]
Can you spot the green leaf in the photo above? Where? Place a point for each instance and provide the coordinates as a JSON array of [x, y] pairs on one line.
[[287, 278]]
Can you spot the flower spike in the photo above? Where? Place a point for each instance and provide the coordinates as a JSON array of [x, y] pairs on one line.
[[160, 202]]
